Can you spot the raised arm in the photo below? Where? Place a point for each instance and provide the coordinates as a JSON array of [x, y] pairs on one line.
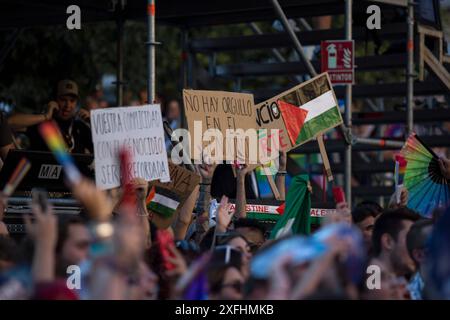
[[223, 215], [95, 201], [22, 120], [241, 200], [280, 180], [3, 205], [44, 232], [206, 172], [185, 216], [141, 189]]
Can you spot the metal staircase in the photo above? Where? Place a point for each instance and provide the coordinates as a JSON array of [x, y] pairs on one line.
[[393, 32]]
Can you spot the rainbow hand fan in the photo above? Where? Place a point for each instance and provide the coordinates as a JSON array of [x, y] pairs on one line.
[[427, 187]]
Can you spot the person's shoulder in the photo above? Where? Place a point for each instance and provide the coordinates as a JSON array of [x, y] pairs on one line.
[[82, 125]]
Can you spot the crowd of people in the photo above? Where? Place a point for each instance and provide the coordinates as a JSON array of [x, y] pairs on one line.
[[72, 114], [114, 250]]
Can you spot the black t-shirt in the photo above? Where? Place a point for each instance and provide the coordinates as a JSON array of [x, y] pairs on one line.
[[5, 131], [76, 134]]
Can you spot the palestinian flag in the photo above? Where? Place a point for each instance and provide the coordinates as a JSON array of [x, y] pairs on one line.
[[281, 208], [162, 201], [323, 114], [294, 118], [296, 215]]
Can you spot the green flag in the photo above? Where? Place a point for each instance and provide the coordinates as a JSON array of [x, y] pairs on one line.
[[296, 216]]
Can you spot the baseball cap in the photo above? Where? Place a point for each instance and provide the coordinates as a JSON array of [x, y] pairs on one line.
[[67, 87]]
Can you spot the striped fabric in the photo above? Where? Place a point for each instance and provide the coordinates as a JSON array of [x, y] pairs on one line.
[[162, 201]]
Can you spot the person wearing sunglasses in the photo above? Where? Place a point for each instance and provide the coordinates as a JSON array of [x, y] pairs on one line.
[[252, 230], [240, 243], [226, 283], [225, 280]]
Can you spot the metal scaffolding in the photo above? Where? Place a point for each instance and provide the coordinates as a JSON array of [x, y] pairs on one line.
[[151, 43], [186, 15], [297, 45], [410, 69], [369, 63], [120, 38], [348, 111]]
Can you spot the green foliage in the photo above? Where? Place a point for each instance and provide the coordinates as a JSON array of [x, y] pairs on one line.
[[44, 55]]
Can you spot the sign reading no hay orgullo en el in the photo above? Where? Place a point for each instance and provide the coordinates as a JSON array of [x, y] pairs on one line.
[[211, 115], [140, 130]]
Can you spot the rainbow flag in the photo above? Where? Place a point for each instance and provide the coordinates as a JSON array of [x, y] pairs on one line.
[[399, 175], [52, 136], [19, 173]]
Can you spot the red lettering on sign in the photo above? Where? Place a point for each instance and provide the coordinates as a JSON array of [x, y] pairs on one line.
[[263, 143], [283, 145]]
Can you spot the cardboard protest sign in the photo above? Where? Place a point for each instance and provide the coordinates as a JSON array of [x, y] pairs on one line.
[[316, 96], [182, 183], [223, 111], [140, 130]]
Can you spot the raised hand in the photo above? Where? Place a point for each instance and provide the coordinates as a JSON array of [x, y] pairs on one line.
[[141, 188], [44, 231], [223, 215], [177, 260], [206, 171], [84, 114], [52, 107], [403, 199], [95, 200], [243, 170]]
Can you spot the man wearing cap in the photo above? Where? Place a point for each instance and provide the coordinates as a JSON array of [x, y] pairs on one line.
[[75, 131]]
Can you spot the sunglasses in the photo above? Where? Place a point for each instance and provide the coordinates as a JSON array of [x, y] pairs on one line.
[[238, 286], [229, 251]]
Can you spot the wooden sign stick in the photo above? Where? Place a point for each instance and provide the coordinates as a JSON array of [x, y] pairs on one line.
[[272, 184], [326, 162]]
